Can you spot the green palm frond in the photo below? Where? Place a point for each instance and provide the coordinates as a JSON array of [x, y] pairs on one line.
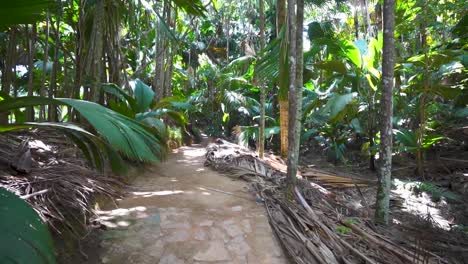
[[126, 135], [192, 7], [267, 68], [246, 133], [239, 66], [22, 11]]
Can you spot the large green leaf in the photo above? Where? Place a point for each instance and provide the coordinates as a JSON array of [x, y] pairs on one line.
[[25, 238], [144, 95], [22, 11], [332, 66], [121, 94], [352, 53], [337, 103]]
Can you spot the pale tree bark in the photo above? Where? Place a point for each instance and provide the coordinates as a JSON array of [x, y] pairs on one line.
[[388, 63], [292, 97], [261, 132]]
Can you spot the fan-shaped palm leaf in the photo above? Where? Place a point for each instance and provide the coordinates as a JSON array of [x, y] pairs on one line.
[[127, 136]]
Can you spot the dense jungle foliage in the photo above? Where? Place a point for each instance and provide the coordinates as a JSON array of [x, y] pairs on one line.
[[122, 78]]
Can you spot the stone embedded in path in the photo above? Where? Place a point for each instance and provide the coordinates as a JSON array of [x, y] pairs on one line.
[[206, 223], [218, 234], [232, 228], [238, 246], [200, 235], [178, 236], [215, 252], [236, 208], [246, 227], [171, 259]]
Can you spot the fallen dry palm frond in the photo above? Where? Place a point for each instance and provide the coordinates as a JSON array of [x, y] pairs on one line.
[[60, 187], [318, 227]]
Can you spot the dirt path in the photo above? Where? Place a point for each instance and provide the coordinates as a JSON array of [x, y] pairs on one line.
[[172, 216]]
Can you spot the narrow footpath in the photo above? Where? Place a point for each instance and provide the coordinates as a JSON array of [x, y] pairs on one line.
[[181, 212]]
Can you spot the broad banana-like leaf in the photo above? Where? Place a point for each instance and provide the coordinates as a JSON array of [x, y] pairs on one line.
[[338, 103], [25, 238], [352, 53]]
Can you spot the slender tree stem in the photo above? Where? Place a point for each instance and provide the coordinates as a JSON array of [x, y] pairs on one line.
[[385, 170]]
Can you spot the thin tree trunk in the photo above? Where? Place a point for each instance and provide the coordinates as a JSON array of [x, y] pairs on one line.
[[280, 15], [44, 68], [388, 63], [261, 133], [371, 127], [98, 50], [9, 72], [75, 93], [356, 19], [367, 26], [31, 52], [422, 104], [169, 60], [292, 139], [52, 115], [283, 95], [228, 35]]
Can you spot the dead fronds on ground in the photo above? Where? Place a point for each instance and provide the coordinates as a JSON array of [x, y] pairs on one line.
[[59, 184], [320, 226]]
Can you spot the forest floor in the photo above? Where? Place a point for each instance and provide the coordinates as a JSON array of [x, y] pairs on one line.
[[182, 212]]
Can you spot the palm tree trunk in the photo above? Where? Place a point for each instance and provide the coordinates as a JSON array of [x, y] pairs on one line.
[[98, 50], [169, 60], [388, 63], [283, 95], [261, 132], [292, 139]]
